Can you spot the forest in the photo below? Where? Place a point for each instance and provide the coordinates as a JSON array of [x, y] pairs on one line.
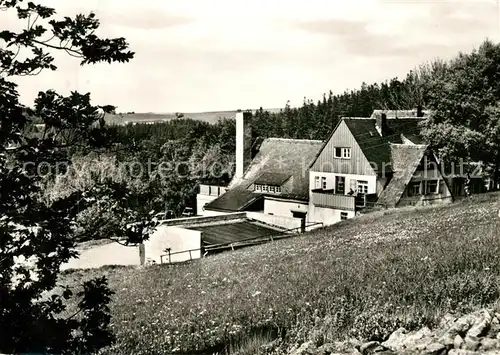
[[68, 176], [463, 93]]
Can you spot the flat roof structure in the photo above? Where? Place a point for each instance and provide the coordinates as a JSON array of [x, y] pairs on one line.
[[234, 231]]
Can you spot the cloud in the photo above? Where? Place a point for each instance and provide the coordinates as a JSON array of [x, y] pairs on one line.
[[354, 38], [400, 29], [147, 19], [198, 55]]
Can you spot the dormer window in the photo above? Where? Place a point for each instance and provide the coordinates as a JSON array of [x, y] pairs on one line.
[[273, 189], [342, 153]]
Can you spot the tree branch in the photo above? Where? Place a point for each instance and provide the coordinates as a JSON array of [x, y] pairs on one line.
[[75, 314], [74, 52]]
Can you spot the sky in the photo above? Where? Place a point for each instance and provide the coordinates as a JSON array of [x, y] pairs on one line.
[[198, 55]]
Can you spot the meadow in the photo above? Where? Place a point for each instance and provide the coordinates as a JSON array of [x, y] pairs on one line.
[[362, 278]]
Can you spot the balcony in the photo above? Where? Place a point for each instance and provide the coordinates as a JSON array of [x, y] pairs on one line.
[[327, 199], [335, 201]]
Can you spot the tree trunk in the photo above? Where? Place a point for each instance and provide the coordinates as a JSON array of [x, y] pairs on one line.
[[495, 179]]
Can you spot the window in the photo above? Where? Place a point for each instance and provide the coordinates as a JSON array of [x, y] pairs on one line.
[[362, 187], [431, 187], [317, 183], [343, 215], [267, 188], [340, 185], [414, 188], [344, 153], [323, 183]]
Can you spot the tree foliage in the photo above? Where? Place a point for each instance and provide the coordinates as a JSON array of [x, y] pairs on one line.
[[464, 94], [316, 120], [36, 234]]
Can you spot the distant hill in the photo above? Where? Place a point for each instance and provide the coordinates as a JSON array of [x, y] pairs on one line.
[[149, 117]]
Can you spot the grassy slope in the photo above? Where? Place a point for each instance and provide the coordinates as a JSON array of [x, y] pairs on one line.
[[361, 278]]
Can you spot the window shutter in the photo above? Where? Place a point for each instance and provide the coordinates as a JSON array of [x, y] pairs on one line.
[[441, 186], [317, 183]]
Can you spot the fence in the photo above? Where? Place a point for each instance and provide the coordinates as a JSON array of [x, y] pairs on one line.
[[215, 248]]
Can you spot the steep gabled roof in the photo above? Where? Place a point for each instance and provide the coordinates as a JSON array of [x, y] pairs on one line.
[[405, 159], [272, 178], [279, 161], [235, 199], [376, 148]]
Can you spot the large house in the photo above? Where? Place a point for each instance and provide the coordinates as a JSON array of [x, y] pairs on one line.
[[366, 162]]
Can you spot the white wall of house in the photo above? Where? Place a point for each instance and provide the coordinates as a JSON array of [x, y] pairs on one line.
[[201, 201], [283, 208], [286, 222], [328, 216], [207, 193], [177, 239], [350, 181], [208, 213]]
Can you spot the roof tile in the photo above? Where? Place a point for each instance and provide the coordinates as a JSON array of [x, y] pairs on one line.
[[405, 159], [276, 158]]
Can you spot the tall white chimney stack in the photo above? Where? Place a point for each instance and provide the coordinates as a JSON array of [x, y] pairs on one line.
[[243, 142]]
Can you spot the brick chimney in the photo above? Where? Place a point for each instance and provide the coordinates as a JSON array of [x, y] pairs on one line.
[[243, 142], [381, 124]]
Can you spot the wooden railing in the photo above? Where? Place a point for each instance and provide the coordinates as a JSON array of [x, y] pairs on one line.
[[337, 201], [327, 199], [216, 248]]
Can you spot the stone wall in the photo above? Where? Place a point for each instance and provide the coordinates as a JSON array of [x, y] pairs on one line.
[[472, 334]]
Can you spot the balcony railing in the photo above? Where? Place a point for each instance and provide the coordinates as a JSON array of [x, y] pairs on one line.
[[336, 201], [328, 199]]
